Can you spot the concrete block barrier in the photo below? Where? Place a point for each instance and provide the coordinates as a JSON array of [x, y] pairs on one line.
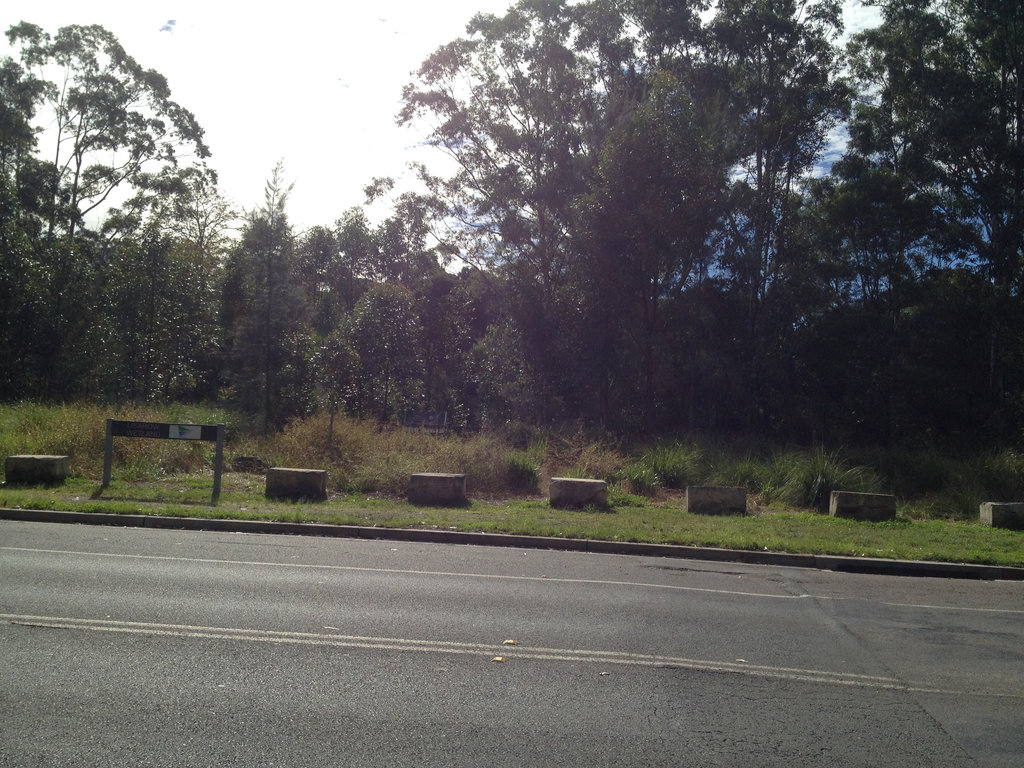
[[868, 507], [31, 470], [713, 500], [295, 484], [1003, 514], [567, 492], [437, 488]]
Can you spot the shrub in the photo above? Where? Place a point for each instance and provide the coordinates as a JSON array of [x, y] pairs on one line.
[[576, 455], [990, 476]]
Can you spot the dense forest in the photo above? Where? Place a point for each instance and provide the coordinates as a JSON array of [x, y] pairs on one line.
[[637, 230]]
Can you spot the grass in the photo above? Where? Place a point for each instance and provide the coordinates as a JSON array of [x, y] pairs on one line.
[[369, 467], [630, 518]]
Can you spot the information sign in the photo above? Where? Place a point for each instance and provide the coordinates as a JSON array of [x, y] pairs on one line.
[[160, 431], [212, 433]]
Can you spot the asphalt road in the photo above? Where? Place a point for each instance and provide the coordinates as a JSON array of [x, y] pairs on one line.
[[135, 647]]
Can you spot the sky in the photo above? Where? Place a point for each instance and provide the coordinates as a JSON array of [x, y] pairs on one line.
[[313, 84]]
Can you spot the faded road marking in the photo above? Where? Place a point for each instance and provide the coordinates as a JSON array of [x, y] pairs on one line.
[[485, 651]]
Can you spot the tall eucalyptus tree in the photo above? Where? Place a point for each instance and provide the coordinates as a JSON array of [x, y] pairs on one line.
[[780, 62], [946, 85]]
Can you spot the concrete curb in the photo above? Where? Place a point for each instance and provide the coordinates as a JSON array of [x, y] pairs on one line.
[[823, 562]]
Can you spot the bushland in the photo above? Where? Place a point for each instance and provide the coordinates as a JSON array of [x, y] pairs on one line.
[[363, 456]]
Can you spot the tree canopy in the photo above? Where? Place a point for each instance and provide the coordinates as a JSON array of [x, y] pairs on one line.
[[652, 217]]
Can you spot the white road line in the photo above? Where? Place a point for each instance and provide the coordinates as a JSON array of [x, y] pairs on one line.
[[486, 651], [500, 577]]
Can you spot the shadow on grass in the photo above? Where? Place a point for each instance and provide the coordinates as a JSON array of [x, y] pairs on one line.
[[103, 493], [464, 504]]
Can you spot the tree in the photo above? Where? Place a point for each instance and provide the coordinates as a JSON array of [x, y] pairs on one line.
[[157, 322], [20, 94], [406, 247], [779, 63], [263, 311], [356, 250], [522, 106], [943, 80], [17, 298], [335, 366], [656, 202], [318, 262], [111, 120], [386, 336], [511, 105], [108, 125]]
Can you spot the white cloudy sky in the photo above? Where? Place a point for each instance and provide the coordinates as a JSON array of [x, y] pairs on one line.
[[313, 83]]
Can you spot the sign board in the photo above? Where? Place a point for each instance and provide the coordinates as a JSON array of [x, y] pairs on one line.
[[159, 431], [211, 433], [428, 421]]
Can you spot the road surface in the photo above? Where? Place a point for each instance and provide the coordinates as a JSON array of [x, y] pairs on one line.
[[136, 647]]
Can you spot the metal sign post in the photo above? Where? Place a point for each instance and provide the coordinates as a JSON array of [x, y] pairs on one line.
[[211, 433]]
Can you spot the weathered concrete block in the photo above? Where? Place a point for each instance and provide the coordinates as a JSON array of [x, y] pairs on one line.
[[1003, 514], [712, 500], [289, 483], [870, 507], [437, 488], [577, 492], [30, 470]]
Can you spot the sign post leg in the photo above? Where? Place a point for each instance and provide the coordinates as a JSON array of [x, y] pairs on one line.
[[218, 461], [108, 453]]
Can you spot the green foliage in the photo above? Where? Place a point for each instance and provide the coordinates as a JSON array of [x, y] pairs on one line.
[[618, 499], [676, 465], [574, 454], [112, 119], [811, 478], [910, 473], [756, 474], [640, 478], [985, 476], [661, 244], [264, 311], [523, 468], [385, 335], [364, 457]]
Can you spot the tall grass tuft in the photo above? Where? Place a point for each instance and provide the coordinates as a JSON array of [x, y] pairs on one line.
[[744, 471], [365, 457], [522, 471], [676, 465], [909, 473], [811, 478], [989, 476], [640, 478]]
